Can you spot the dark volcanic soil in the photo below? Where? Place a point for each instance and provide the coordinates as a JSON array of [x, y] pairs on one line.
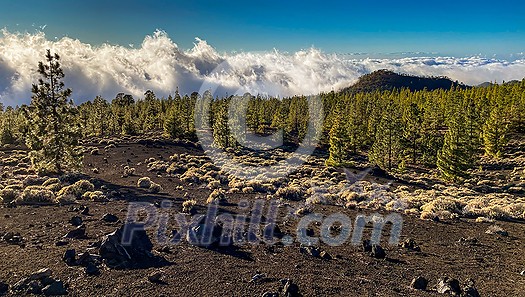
[[494, 262]]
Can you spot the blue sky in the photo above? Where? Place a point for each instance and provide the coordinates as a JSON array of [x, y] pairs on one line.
[[446, 27]]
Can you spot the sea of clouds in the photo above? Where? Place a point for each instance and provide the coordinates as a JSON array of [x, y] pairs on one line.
[[161, 66]]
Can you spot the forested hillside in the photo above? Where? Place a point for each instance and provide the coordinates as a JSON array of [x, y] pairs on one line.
[[448, 128]]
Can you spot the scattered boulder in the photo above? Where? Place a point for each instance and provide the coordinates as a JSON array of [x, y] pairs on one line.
[[469, 290], [13, 238], [419, 283], [270, 294], [86, 258], [411, 244], [310, 250], [70, 257], [378, 252], [325, 255], [110, 218], [367, 246], [61, 242], [156, 277], [208, 235], [78, 233], [523, 273], [4, 288], [40, 282], [290, 289], [84, 210], [42, 273], [448, 285], [92, 269], [137, 253], [257, 277], [55, 288], [76, 221]]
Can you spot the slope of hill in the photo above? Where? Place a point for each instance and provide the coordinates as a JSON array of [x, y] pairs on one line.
[[388, 80]]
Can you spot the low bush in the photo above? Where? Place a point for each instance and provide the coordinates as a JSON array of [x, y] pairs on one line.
[[128, 171], [216, 196], [290, 193], [144, 182], [36, 195], [155, 188], [77, 189], [188, 206], [97, 196], [8, 195]]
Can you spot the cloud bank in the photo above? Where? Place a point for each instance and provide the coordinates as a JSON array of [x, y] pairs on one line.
[[161, 66]]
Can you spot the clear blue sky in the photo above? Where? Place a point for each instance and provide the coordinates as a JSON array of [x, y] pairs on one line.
[[447, 27]]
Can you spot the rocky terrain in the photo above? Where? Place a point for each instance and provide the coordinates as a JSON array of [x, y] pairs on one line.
[[63, 235]]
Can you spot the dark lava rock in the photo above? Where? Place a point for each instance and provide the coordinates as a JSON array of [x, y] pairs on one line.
[[76, 221], [204, 235], [86, 258], [378, 252], [310, 250], [34, 287], [3, 288], [35, 283], [78, 233], [92, 269], [448, 285], [155, 277], [56, 288], [135, 252], [419, 283], [469, 290], [21, 285], [325, 255], [84, 210], [270, 294], [61, 243], [70, 257], [42, 273], [13, 238], [110, 218], [367, 246], [411, 244], [290, 289]]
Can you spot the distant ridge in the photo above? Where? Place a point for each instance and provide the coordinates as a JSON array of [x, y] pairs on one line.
[[383, 80]]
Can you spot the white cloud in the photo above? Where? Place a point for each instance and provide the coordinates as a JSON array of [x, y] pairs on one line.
[[159, 65]]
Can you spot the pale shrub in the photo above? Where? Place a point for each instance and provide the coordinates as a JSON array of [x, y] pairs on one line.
[[188, 206], [216, 196], [155, 188], [8, 195], [144, 182], [36, 195]]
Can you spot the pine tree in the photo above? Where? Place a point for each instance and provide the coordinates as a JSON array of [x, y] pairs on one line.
[[453, 160], [172, 125], [386, 149], [338, 143], [222, 137], [495, 132], [129, 126], [412, 121], [459, 149], [100, 115], [53, 134]]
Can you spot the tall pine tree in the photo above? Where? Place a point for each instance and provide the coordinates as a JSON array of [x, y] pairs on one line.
[[53, 134]]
